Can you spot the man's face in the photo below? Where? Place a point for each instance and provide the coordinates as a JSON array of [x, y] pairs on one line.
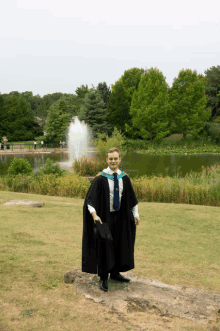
[[113, 161]]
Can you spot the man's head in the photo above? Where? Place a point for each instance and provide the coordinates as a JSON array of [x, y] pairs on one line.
[[113, 158]]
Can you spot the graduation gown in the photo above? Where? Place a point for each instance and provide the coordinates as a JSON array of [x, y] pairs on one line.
[[98, 197]]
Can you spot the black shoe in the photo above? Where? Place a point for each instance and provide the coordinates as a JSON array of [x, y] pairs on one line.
[[104, 284], [120, 278]]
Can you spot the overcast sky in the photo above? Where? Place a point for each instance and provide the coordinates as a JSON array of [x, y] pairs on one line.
[[49, 46]]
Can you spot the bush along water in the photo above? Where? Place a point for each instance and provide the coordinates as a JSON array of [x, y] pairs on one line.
[[68, 185], [49, 180], [195, 188], [90, 166], [192, 189], [19, 166], [50, 168]]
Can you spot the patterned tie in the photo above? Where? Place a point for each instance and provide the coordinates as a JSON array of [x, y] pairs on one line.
[[116, 193]]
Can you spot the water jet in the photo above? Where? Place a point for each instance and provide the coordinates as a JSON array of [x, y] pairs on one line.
[[79, 142]]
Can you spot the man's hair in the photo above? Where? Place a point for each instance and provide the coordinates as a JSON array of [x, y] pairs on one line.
[[112, 150]]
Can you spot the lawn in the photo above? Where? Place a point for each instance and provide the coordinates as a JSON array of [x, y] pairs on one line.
[[175, 243]]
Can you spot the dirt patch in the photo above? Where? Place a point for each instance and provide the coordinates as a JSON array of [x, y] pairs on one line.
[[145, 295]]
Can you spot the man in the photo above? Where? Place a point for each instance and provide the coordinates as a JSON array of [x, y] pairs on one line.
[[110, 199]]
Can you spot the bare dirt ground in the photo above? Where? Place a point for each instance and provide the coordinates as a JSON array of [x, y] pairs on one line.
[[150, 304]]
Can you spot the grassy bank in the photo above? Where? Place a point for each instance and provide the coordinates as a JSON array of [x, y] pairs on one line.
[[195, 188], [176, 244], [173, 145]]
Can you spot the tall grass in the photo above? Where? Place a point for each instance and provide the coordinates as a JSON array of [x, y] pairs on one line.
[[195, 188], [67, 186], [89, 166]]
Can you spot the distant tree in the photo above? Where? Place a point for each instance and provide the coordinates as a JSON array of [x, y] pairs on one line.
[[118, 107], [188, 103], [81, 91], [120, 98], [2, 117], [93, 112], [14, 93], [19, 121], [57, 121], [105, 92], [131, 80], [212, 89], [28, 95], [150, 107], [71, 103]]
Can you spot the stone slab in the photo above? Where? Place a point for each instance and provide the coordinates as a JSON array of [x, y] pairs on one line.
[[143, 294], [28, 203]]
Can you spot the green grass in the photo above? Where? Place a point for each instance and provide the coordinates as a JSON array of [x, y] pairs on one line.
[[176, 244]]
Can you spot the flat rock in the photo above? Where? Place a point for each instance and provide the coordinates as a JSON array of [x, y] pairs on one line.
[[28, 203], [142, 294]]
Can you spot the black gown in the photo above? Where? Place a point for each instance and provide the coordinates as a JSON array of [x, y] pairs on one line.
[[98, 197]]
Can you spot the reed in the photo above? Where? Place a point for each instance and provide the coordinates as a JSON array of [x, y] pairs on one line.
[[89, 166], [195, 188]]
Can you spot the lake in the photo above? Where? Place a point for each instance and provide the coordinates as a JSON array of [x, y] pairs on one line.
[[134, 164]]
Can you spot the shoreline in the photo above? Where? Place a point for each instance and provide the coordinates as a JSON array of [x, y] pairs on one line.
[[33, 151]]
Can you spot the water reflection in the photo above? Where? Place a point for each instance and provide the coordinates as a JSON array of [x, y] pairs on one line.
[[36, 160], [170, 165], [133, 163]]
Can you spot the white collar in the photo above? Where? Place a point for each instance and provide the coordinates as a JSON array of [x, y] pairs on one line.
[[109, 171]]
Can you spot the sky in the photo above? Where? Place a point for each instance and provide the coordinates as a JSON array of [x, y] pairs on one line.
[[49, 46]]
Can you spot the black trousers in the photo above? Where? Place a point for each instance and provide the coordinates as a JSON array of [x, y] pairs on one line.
[[114, 228]]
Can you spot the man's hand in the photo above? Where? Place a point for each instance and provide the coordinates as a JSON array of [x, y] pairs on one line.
[[137, 220], [97, 218]]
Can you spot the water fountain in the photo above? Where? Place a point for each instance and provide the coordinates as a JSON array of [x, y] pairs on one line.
[[79, 139]]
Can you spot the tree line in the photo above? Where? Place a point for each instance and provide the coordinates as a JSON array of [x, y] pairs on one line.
[[140, 104]]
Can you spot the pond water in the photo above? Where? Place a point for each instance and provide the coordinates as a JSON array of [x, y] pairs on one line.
[[134, 164]]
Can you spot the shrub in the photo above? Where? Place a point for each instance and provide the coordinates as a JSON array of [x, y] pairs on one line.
[[73, 185], [214, 132], [132, 145], [103, 143], [18, 183], [19, 166], [89, 166], [50, 168]]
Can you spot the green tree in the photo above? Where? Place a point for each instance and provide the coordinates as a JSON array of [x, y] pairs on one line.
[[93, 112], [57, 121], [81, 91], [105, 92], [212, 89], [188, 103], [2, 117], [19, 120], [41, 105], [103, 142], [150, 107], [120, 98]]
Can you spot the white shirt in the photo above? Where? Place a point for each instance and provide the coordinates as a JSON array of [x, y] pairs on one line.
[[111, 193]]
